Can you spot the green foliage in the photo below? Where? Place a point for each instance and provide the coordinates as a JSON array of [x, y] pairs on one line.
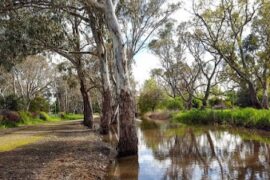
[[13, 119], [172, 103], [44, 116], [247, 117], [39, 104], [11, 102], [150, 97], [70, 116], [215, 101], [25, 116], [228, 103], [196, 103], [96, 108], [28, 31]]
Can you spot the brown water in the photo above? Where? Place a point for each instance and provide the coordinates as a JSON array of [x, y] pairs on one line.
[[196, 153]]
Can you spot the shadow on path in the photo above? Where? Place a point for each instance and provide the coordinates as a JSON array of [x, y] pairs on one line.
[[67, 151]]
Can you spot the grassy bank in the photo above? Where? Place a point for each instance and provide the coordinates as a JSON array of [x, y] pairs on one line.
[[65, 116], [248, 117], [15, 119]]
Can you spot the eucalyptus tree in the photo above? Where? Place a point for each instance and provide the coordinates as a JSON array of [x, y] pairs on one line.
[[261, 39], [222, 27], [32, 77], [77, 49], [177, 73], [128, 141], [141, 20], [53, 30], [209, 64]]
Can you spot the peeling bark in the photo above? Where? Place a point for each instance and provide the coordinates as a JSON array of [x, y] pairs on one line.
[[87, 105], [106, 112], [128, 141], [253, 96], [265, 102]]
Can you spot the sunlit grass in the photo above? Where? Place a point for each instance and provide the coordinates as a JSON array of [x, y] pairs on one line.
[[71, 116], [11, 142], [41, 118], [247, 117]]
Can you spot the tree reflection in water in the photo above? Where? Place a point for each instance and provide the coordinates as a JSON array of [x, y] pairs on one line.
[[197, 153]]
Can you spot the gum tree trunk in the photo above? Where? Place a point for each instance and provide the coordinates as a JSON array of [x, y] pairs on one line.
[[96, 24], [206, 96], [128, 141], [265, 102], [253, 96], [87, 105], [107, 99]]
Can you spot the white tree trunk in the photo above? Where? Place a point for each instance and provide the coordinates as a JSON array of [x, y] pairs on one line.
[[128, 140]]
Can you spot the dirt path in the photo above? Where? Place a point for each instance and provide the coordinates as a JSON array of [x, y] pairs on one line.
[[64, 150]]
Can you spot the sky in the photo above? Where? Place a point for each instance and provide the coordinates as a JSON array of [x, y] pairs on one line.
[[145, 61]]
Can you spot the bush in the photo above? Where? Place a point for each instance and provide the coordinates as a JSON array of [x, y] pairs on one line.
[[10, 118], [247, 117], [196, 103], [39, 104], [215, 101], [25, 116], [150, 97], [11, 102], [44, 116], [172, 104]]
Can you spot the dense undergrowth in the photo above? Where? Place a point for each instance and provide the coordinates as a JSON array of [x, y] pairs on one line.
[[248, 117], [10, 119]]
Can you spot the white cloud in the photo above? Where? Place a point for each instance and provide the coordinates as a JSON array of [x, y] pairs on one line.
[[144, 63]]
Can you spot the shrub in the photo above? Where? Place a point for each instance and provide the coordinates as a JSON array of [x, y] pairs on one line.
[[150, 97], [196, 103], [44, 116], [10, 118], [62, 115], [173, 104], [215, 101], [25, 116], [39, 104], [11, 102]]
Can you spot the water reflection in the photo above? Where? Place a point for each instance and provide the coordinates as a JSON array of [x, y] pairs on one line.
[[196, 153]]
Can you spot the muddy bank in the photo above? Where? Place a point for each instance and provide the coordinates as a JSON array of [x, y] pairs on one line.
[[66, 150], [157, 116]]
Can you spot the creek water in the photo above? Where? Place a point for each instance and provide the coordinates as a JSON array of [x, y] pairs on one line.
[[177, 152]]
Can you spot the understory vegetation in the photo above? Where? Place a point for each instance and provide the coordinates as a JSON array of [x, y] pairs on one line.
[[246, 117], [13, 119]]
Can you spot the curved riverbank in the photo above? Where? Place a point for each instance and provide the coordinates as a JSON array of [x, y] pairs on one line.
[[157, 116]]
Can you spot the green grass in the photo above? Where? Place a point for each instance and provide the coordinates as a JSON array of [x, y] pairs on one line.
[[39, 118], [71, 116], [10, 142], [248, 117]]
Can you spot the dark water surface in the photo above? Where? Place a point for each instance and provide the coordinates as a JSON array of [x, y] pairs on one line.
[[167, 152]]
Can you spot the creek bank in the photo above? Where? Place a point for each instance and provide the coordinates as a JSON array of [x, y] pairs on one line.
[[157, 116], [247, 117]]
